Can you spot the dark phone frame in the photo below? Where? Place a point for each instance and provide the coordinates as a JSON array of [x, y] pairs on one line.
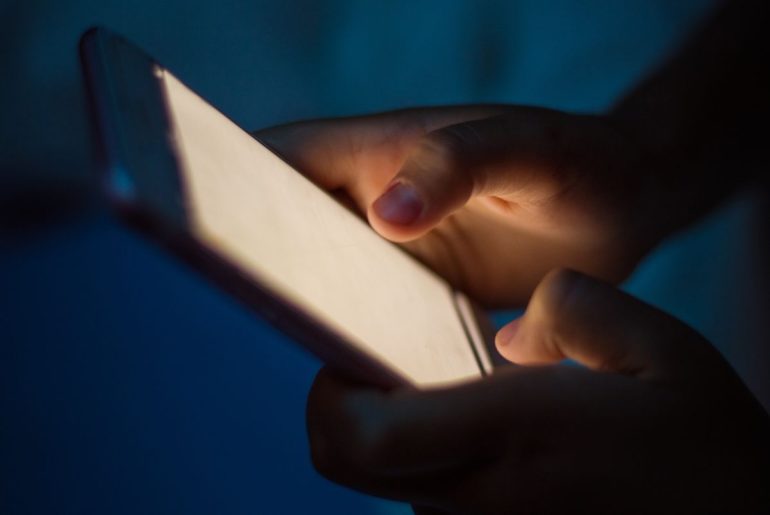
[[142, 180]]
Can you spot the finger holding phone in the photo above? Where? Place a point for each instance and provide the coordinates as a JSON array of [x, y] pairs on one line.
[[493, 197], [656, 422]]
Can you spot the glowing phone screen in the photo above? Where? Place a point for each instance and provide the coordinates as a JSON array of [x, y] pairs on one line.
[[282, 230]]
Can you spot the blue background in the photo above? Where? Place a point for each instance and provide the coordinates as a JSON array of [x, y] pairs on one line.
[[127, 383]]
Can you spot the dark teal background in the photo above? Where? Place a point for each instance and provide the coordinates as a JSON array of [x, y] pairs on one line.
[[127, 383]]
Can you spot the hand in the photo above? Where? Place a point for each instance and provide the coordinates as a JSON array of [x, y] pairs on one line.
[[488, 193], [656, 422]]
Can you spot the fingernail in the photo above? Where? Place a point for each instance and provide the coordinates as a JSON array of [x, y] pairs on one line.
[[508, 333], [400, 204]]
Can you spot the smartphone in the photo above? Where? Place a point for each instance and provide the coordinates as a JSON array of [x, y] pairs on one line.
[[190, 179]]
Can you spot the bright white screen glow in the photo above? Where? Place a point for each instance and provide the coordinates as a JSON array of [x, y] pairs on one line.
[[277, 226]]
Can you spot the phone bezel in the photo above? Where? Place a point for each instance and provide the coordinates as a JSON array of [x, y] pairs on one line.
[[142, 180]]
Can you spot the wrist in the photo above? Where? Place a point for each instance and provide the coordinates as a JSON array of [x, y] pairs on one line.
[[680, 176]]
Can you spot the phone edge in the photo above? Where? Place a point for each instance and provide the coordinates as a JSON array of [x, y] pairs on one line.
[[311, 334]]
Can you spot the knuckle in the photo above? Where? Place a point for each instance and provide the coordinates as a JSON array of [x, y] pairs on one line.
[[446, 153], [449, 145], [460, 136], [559, 289]]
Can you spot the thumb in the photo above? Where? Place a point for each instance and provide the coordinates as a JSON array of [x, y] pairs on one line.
[[572, 316], [489, 156]]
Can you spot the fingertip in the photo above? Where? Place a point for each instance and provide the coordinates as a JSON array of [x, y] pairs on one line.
[[507, 333], [401, 213], [514, 346], [505, 340], [431, 184], [400, 204], [396, 232], [323, 385]]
